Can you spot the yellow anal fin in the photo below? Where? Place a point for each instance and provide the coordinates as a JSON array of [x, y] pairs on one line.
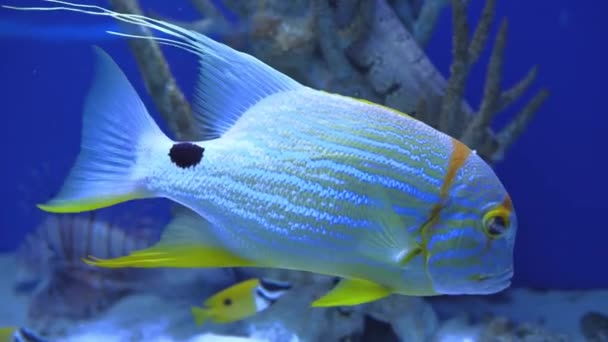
[[352, 292], [188, 241], [185, 255]]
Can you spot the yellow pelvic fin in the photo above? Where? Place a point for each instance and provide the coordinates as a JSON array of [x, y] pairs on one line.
[[352, 292], [187, 241]]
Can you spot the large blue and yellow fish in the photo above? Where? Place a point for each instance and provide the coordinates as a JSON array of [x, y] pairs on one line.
[[290, 177]]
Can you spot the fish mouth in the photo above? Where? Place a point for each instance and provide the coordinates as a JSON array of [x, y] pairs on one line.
[[498, 281]]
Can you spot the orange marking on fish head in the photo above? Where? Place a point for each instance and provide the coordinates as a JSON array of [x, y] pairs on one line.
[[460, 153]]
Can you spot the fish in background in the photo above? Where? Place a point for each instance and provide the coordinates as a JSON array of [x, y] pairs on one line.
[[16, 334], [240, 301], [50, 268], [290, 177]]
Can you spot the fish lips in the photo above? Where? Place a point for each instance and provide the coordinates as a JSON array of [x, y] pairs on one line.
[[498, 281]]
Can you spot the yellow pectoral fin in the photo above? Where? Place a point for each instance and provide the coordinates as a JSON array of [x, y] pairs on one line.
[[184, 255], [352, 292], [200, 315]]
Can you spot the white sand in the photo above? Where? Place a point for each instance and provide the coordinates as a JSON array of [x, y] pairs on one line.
[[558, 311]]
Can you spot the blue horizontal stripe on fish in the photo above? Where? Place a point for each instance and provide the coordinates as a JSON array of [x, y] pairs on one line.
[[328, 176], [383, 180]]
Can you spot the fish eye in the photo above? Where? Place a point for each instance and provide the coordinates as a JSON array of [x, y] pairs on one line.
[[496, 223], [227, 302]]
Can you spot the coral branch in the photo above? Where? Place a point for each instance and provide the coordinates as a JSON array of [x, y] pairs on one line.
[[404, 10], [346, 79], [511, 95], [491, 96], [206, 8], [509, 134], [328, 41], [480, 37], [459, 70], [158, 79], [426, 21]]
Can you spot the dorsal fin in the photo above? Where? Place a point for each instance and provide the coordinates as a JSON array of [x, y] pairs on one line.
[[229, 83]]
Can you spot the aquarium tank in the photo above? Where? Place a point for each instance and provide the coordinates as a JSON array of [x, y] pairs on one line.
[[305, 170]]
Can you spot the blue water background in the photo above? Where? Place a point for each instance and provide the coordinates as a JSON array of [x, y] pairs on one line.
[[556, 172]]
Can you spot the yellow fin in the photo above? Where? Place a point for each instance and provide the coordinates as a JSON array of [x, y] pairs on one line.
[[7, 334], [115, 127], [163, 255], [187, 241], [78, 206], [200, 315], [352, 292]]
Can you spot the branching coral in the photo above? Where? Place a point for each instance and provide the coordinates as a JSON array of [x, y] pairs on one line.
[[419, 17], [474, 130]]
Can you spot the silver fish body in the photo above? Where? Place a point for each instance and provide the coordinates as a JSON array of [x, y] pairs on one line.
[[319, 182]]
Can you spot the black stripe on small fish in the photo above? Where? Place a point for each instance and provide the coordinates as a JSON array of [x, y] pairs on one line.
[[274, 286], [24, 335], [260, 293]]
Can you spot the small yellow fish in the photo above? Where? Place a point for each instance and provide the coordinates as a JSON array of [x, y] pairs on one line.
[[7, 334], [240, 301], [16, 334]]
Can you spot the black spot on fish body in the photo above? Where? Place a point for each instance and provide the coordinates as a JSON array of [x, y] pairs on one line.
[[227, 302], [186, 154]]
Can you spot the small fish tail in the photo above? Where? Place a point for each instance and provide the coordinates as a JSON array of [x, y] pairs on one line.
[[116, 128], [200, 315]]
